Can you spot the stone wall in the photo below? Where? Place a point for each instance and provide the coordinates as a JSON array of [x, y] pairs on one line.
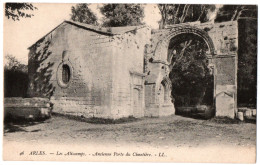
[[16, 108], [89, 55], [158, 100], [105, 70], [125, 74], [225, 39], [127, 71], [224, 36]]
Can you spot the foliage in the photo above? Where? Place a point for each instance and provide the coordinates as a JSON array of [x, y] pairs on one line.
[[11, 63], [234, 12], [82, 13], [247, 52], [180, 13], [17, 10], [122, 15], [190, 75], [15, 78], [40, 75], [247, 63]]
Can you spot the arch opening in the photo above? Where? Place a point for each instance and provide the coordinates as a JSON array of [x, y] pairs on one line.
[[190, 70]]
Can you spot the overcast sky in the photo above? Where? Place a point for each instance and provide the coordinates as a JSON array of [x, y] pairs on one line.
[[19, 35]]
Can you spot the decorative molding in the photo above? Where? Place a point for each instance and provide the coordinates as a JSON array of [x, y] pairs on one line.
[[137, 73]]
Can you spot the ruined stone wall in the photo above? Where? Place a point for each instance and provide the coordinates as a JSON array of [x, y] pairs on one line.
[[224, 36], [128, 66], [108, 72], [225, 39], [89, 56], [157, 70]]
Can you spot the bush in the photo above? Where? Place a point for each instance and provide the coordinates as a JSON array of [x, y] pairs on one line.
[[15, 77], [15, 83]]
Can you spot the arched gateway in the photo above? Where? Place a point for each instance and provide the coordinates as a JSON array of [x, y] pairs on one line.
[[158, 67], [135, 63]]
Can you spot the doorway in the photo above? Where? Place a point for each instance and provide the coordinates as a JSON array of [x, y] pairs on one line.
[[137, 104]]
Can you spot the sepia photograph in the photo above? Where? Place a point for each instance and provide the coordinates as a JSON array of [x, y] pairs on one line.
[[129, 82]]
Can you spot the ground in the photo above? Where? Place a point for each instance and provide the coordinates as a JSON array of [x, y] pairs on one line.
[[165, 132]]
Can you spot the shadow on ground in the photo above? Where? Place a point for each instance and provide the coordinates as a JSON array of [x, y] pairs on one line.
[[95, 120], [193, 116], [19, 124]]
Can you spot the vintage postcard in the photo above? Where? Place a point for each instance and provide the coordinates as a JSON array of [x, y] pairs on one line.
[[130, 82]]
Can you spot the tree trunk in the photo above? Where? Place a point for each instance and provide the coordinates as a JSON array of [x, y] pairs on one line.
[[184, 14], [176, 15], [202, 11]]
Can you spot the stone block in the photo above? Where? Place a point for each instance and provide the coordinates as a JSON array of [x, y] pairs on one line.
[[240, 116], [248, 113], [254, 112], [225, 105]]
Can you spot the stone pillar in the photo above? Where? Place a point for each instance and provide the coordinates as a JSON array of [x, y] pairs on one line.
[[225, 85]]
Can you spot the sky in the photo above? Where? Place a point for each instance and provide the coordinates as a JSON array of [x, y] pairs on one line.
[[19, 35]]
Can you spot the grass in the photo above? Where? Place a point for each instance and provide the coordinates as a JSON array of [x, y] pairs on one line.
[[225, 120], [96, 120]]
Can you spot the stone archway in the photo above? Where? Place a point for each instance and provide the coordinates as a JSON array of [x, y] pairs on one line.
[[157, 66], [161, 47], [158, 70], [176, 37], [189, 72]]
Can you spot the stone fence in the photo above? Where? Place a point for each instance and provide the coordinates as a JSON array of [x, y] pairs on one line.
[[28, 108]]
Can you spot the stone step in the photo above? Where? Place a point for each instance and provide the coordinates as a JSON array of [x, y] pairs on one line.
[[26, 102], [27, 108]]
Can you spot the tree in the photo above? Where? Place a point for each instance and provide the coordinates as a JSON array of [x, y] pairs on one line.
[[11, 63], [82, 13], [234, 12], [190, 75], [180, 13], [247, 52], [15, 77], [17, 10], [122, 15], [247, 63]]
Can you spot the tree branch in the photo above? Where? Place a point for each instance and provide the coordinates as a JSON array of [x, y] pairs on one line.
[[202, 11], [176, 14], [185, 11], [186, 45]]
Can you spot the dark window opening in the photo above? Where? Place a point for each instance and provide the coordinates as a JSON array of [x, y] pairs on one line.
[[65, 74]]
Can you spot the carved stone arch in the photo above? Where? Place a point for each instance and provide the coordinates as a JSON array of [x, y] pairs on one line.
[[162, 46], [165, 91], [167, 82], [192, 30]]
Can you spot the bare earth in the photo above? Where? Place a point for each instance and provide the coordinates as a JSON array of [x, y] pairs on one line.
[[166, 139], [169, 131]]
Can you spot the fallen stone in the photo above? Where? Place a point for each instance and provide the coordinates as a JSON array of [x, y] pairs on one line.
[[240, 116], [248, 113], [254, 112]]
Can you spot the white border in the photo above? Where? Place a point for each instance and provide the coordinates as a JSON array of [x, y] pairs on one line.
[[111, 1]]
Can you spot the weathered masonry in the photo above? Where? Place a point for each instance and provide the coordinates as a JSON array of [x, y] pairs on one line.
[[90, 71], [222, 42], [124, 71]]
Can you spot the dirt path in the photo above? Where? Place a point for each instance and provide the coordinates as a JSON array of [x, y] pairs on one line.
[[170, 131]]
